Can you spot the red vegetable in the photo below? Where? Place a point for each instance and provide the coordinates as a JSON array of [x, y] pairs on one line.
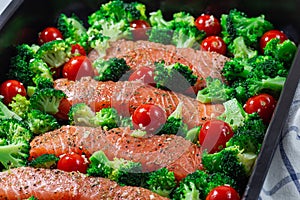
[[10, 88], [215, 44], [145, 74], [263, 104], [267, 36], [139, 29], [214, 134], [224, 192], [149, 117], [77, 49], [72, 162], [49, 34], [209, 24], [77, 67]]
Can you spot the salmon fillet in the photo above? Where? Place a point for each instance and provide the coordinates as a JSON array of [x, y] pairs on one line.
[[126, 96], [144, 53], [171, 151], [46, 184]]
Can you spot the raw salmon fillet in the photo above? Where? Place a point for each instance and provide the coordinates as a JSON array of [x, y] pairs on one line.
[[46, 184], [126, 96], [144, 53], [153, 152]]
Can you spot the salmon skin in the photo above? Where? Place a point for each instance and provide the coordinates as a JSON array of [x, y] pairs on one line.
[[126, 96], [153, 152], [145, 53], [46, 184]]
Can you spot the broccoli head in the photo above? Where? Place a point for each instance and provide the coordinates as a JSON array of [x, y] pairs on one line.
[[47, 100], [48, 161], [135, 10], [156, 19], [40, 69], [107, 118], [20, 105], [97, 41], [81, 114], [160, 35], [176, 77], [110, 70], [187, 37], [13, 130], [6, 113], [238, 48], [55, 53], [162, 182], [40, 122]]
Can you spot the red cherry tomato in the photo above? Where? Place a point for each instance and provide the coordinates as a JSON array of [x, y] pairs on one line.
[[263, 104], [267, 36], [77, 67], [77, 49], [149, 117], [209, 24], [63, 109], [10, 88], [49, 34], [214, 134], [145, 74], [215, 44], [223, 192], [72, 162], [139, 29]]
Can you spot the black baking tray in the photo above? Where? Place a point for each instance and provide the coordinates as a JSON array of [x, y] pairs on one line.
[[25, 19]]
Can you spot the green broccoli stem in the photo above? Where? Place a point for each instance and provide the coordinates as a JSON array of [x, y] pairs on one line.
[[273, 84]]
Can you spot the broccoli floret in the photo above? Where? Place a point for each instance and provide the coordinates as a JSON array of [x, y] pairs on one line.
[[47, 100], [81, 114], [122, 171], [162, 182], [13, 130], [231, 161], [20, 105], [239, 49], [14, 154], [40, 83], [40, 122], [284, 52], [40, 69], [135, 10], [55, 53], [107, 118], [156, 19], [216, 91], [116, 29], [174, 124], [19, 64], [187, 37], [160, 35], [6, 113], [48, 161], [125, 122], [237, 23], [110, 70], [199, 183], [97, 41], [73, 29], [176, 77], [193, 134]]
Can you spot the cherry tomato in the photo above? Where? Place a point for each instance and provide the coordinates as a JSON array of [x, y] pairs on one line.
[[63, 109], [267, 36], [209, 24], [145, 74], [77, 67], [223, 192], [263, 104], [215, 44], [77, 49], [10, 88], [72, 162], [139, 29], [214, 134], [149, 117], [49, 34]]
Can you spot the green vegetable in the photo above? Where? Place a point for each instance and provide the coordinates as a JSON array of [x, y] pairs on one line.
[[198, 184], [40, 122], [156, 19], [187, 37], [97, 41], [176, 77], [55, 53], [174, 124], [81, 114], [6, 113], [162, 182], [110, 70], [48, 161], [238, 48], [160, 35], [20, 106], [108, 118], [47, 100]]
